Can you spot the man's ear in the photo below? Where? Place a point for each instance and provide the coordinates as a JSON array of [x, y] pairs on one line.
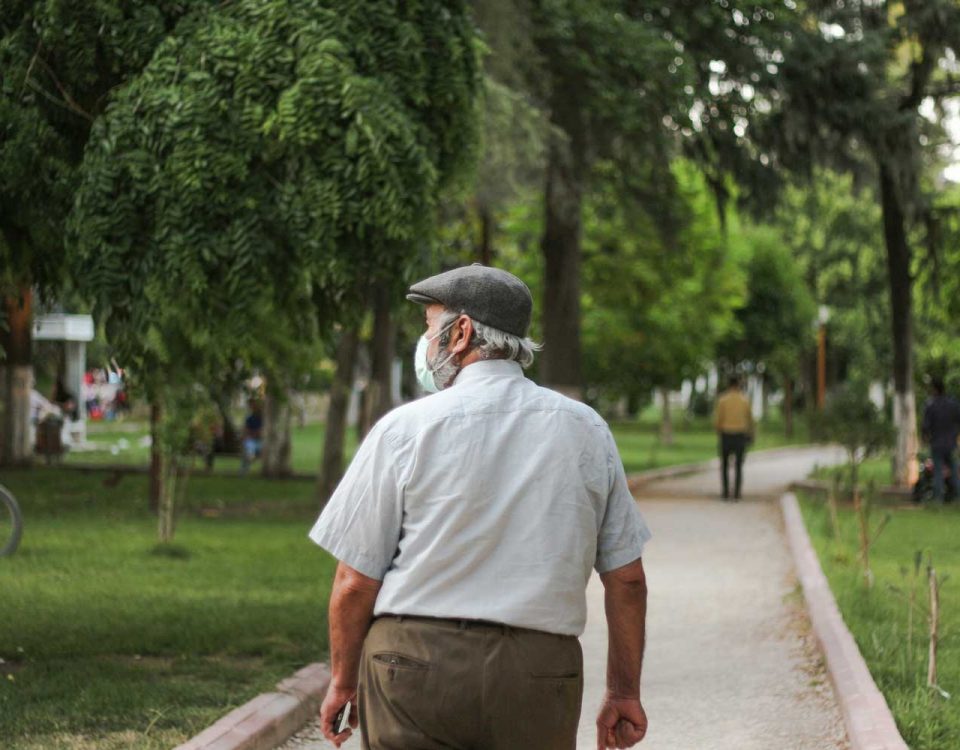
[[464, 333]]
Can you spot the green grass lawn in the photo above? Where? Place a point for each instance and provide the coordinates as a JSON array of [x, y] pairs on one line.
[[878, 617], [694, 441], [122, 444], [878, 470], [639, 444], [106, 644]]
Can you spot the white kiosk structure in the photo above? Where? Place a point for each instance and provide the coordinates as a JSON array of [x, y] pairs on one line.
[[75, 331]]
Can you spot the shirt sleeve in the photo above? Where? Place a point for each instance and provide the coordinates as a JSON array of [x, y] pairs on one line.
[[623, 531], [361, 523]]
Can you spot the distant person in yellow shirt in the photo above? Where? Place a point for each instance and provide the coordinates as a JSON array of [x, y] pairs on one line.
[[733, 421]]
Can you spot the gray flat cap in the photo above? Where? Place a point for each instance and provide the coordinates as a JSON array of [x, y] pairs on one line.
[[488, 295]]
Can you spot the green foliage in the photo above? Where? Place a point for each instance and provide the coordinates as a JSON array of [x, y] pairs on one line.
[[513, 145], [832, 228], [856, 75], [269, 161], [60, 62], [653, 311], [853, 421], [776, 322]]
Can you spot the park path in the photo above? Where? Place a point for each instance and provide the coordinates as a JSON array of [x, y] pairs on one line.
[[730, 662]]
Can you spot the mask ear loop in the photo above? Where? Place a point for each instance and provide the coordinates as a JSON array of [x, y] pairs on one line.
[[450, 355]]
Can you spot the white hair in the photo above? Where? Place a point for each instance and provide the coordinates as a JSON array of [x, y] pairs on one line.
[[492, 343]]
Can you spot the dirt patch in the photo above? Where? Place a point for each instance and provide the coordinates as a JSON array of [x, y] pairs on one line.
[[275, 510], [798, 630]]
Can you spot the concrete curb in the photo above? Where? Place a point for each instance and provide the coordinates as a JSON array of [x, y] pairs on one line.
[[270, 718], [869, 723]]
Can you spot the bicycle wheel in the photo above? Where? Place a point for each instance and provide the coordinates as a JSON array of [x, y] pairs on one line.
[[11, 522]]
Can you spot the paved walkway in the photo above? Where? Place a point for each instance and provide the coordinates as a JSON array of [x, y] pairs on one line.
[[730, 663]]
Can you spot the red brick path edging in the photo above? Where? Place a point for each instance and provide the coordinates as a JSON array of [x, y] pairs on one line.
[[870, 725], [269, 719]]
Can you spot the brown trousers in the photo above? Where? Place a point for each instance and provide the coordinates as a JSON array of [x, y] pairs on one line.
[[429, 684]]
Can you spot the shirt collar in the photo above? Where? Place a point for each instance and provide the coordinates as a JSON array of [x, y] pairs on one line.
[[489, 368]]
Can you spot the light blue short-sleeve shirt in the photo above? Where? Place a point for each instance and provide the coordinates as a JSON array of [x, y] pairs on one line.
[[491, 500]]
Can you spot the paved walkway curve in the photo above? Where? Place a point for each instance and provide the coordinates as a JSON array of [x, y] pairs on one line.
[[730, 663]]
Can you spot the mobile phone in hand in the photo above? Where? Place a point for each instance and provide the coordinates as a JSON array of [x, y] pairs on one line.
[[341, 721]]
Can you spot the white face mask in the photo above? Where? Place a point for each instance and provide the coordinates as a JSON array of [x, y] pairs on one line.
[[425, 371]]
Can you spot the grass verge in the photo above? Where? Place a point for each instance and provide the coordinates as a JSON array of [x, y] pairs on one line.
[[878, 617], [106, 643]]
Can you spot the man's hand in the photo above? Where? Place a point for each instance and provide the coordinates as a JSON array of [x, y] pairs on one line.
[[622, 722], [351, 612], [332, 703]]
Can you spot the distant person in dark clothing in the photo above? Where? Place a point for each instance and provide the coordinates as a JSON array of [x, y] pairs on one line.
[[252, 435], [733, 421], [941, 425], [65, 400]]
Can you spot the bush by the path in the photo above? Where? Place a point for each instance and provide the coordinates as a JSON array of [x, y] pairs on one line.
[[878, 617]]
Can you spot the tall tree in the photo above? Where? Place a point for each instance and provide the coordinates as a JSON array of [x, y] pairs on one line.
[[656, 302], [775, 325], [273, 156], [854, 79], [59, 63], [630, 82], [607, 79], [332, 461]]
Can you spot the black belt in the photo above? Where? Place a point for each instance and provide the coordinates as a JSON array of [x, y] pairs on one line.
[[453, 622], [467, 624]]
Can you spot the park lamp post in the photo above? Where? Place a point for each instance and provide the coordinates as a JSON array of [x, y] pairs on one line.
[[823, 317]]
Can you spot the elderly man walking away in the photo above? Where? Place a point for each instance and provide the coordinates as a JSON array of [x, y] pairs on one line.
[[733, 421], [466, 529], [941, 424]]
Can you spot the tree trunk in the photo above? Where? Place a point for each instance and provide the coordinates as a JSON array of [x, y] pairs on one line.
[[275, 450], [486, 236], [901, 308], [560, 361], [378, 398], [331, 466], [166, 517], [764, 396], [633, 405], [16, 376], [788, 406], [156, 458], [666, 422], [230, 439]]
